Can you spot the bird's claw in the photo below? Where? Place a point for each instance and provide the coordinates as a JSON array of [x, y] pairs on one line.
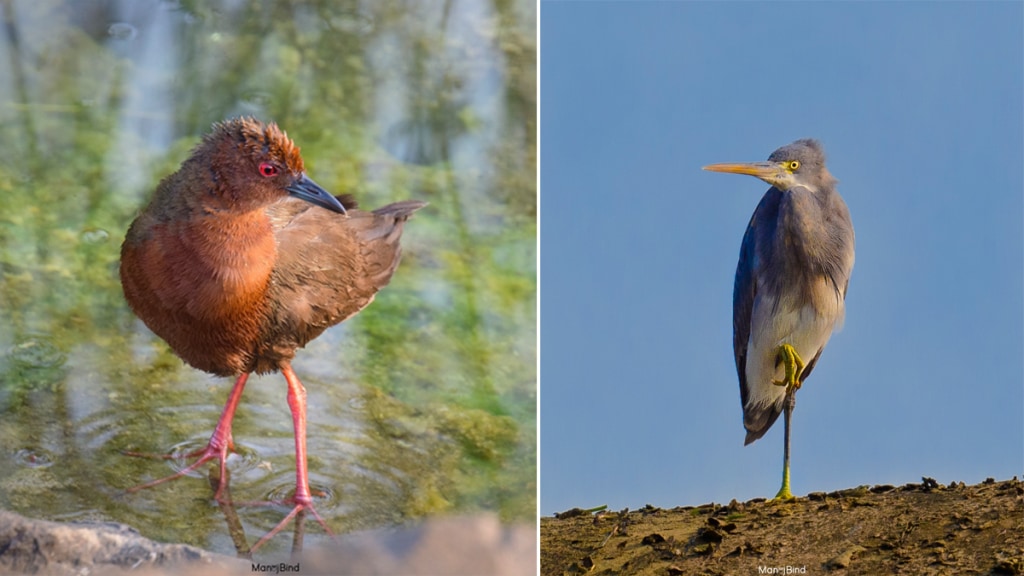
[[794, 365]]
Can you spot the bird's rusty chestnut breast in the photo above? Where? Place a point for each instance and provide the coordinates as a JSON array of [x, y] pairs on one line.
[[240, 258]]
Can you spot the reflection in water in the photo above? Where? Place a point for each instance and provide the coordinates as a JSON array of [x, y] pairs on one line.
[[423, 404]]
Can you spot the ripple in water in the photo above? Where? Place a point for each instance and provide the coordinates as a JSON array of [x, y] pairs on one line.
[[33, 458], [122, 31], [241, 461], [95, 236], [349, 22], [37, 352], [325, 499]]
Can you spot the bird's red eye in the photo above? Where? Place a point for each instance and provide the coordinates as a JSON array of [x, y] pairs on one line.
[[267, 169]]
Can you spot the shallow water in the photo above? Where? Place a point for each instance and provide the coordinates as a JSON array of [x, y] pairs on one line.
[[423, 404]]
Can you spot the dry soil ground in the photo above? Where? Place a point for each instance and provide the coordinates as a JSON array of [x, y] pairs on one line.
[[924, 528]]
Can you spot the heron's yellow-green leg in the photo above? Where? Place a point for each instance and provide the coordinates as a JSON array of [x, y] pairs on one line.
[[790, 403], [794, 366], [784, 493]]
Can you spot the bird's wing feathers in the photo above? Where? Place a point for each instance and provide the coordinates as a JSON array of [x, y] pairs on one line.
[[744, 292], [757, 417], [334, 267]]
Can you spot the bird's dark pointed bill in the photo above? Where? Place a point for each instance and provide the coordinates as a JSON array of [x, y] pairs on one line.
[[759, 169], [311, 192]]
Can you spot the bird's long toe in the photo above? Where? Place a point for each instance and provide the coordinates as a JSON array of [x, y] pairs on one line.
[[793, 364], [214, 450], [294, 514]]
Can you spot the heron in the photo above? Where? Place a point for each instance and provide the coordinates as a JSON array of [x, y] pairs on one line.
[[790, 289]]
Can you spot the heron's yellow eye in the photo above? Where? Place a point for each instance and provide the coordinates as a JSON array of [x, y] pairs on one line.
[[793, 166]]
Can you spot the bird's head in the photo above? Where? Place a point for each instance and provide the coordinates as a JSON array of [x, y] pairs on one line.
[[801, 163], [253, 164]]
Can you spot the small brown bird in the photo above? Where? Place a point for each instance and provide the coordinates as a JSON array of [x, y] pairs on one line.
[[240, 258]]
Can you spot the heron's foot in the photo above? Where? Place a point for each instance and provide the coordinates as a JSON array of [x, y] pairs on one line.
[[784, 494], [794, 367]]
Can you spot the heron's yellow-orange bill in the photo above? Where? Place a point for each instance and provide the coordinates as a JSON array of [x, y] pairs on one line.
[[758, 169]]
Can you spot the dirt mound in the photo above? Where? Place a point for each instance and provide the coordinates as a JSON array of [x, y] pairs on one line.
[[916, 529]]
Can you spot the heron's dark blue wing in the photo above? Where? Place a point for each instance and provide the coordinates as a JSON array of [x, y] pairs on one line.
[[756, 240], [743, 294]]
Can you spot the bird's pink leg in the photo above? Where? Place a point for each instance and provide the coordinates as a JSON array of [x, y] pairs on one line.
[[218, 446], [303, 498]]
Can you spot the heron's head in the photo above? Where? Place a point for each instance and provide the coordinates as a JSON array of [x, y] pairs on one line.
[[801, 163]]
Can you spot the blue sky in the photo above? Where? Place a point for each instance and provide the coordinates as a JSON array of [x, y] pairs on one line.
[[919, 106]]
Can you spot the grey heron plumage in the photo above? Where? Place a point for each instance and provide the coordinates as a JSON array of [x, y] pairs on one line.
[[791, 280]]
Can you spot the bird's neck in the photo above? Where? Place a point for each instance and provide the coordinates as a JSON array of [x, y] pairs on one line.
[[805, 229]]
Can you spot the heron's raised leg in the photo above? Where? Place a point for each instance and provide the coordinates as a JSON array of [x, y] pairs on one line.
[[784, 492], [794, 366]]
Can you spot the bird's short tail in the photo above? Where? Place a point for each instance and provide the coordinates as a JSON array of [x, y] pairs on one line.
[[757, 420], [400, 210]]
